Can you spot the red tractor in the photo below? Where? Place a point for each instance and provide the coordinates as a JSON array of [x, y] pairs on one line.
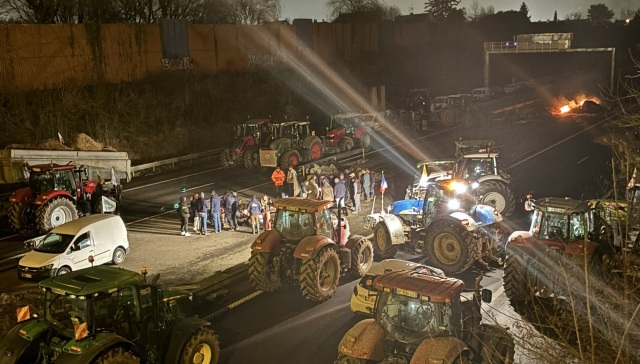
[[58, 194], [248, 139], [349, 130]]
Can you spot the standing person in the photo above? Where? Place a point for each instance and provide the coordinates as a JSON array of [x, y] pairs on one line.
[[304, 189], [366, 184], [357, 192], [352, 192], [203, 211], [342, 179], [229, 214], [340, 193], [183, 209], [214, 202], [372, 178], [278, 178], [292, 182], [266, 212], [234, 210], [255, 209], [314, 190], [327, 191], [194, 212]]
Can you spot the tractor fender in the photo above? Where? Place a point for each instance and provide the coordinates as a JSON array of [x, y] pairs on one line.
[[93, 347], [493, 177], [394, 226], [180, 334], [522, 239], [14, 346], [306, 144], [308, 247], [89, 186], [486, 215], [45, 197], [360, 131], [440, 350], [21, 195], [498, 340], [461, 218], [267, 242], [365, 340]]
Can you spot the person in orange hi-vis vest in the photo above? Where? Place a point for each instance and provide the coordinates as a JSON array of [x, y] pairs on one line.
[[278, 178]]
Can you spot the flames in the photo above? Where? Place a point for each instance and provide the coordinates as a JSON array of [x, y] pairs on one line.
[[563, 106]]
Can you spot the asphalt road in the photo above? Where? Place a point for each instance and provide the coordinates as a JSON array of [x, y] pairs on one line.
[[550, 157]]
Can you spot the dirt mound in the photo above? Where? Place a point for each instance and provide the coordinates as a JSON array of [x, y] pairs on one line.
[[21, 146], [84, 142], [52, 144]]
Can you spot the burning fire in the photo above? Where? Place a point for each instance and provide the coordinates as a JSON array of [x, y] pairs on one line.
[[565, 109], [564, 106]]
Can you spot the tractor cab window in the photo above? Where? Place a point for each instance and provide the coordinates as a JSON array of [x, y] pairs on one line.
[[326, 224], [289, 130], [559, 227], [294, 225], [118, 312], [477, 167], [54, 243], [64, 181], [65, 312], [41, 182]]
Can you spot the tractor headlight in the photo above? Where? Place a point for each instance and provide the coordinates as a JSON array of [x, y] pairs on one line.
[[453, 204], [475, 185], [458, 187]]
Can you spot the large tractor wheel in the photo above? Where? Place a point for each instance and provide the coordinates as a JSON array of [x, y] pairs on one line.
[[315, 151], [382, 246], [251, 159], [345, 144], [289, 158], [264, 271], [447, 117], [361, 257], [202, 348], [117, 356], [498, 195], [16, 215], [449, 246], [319, 276], [343, 359], [224, 159], [365, 141], [516, 286], [54, 213]]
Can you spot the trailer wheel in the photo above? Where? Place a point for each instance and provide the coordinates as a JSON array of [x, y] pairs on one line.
[[56, 212], [382, 246], [117, 356], [16, 215], [449, 246], [497, 195], [264, 271], [361, 257], [319, 276], [343, 359], [345, 144], [202, 348], [289, 158]]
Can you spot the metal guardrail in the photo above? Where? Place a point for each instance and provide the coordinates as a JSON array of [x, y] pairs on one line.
[[173, 161]]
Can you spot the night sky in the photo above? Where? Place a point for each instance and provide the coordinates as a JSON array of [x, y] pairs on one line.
[[539, 10]]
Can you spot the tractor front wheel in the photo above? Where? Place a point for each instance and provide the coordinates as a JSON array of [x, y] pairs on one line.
[[117, 356], [289, 158], [345, 144], [449, 247], [361, 257], [365, 141], [54, 213], [497, 195], [264, 271], [224, 159], [319, 276], [202, 348], [16, 215], [343, 359], [382, 246], [315, 151]]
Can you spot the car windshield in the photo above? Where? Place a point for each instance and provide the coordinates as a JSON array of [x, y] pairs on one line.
[[41, 182], [558, 227], [409, 319], [294, 225], [65, 312], [54, 243]]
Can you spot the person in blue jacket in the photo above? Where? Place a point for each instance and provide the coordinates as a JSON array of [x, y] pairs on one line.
[[255, 210]]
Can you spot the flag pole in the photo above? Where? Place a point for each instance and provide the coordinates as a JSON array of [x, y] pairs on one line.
[[382, 194]]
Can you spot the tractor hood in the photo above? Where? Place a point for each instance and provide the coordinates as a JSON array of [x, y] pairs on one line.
[[278, 144], [407, 207], [485, 215]]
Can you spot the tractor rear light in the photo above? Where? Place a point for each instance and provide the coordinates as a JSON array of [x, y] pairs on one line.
[[22, 333], [75, 350]]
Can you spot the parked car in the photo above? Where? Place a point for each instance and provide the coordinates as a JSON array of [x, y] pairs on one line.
[[364, 293], [68, 247]]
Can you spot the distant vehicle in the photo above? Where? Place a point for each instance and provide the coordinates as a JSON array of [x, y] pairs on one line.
[[481, 93], [514, 87], [439, 102]]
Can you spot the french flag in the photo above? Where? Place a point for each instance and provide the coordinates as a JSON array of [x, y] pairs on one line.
[[383, 184]]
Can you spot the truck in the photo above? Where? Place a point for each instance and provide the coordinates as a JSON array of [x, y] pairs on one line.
[[445, 226], [60, 193], [107, 314], [248, 138], [310, 244], [423, 318]]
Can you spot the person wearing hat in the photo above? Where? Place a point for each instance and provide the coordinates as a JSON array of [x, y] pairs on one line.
[[278, 178]]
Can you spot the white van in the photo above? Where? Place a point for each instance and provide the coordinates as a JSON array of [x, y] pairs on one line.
[[68, 247]]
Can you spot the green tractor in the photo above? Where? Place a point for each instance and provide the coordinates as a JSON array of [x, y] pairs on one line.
[[294, 143], [107, 314]]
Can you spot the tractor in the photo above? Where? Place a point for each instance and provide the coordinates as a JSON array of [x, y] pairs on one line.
[[423, 318], [248, 139], [60, 193], [293, 143], [348, 130], [446, 226], [106, 314], [311, 245]]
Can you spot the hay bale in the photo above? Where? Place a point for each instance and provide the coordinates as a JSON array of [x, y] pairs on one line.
[[84, 142], [109, 149], [52, 144]]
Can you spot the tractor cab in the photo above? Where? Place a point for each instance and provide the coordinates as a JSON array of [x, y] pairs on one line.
[[477, 158], [49, 177], [253, 133], [561, 221], [297, 218]]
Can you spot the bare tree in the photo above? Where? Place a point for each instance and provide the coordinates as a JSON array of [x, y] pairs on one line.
[[574, 15], [337, 7], [440, 9], [255, 11]]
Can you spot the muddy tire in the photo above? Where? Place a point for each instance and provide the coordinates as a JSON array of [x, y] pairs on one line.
[[315, 151], [498, 195], [447, 117], [202, 348], [117, 356], [365, 141], [289, 158], [224, 160], [382, 247], [514, 279], [16, 216], [54, 213], [343, 359], [251, 159], [345, 144], [118, 256], [361, 257], [319, 276], [449, 246], [264, 271]]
